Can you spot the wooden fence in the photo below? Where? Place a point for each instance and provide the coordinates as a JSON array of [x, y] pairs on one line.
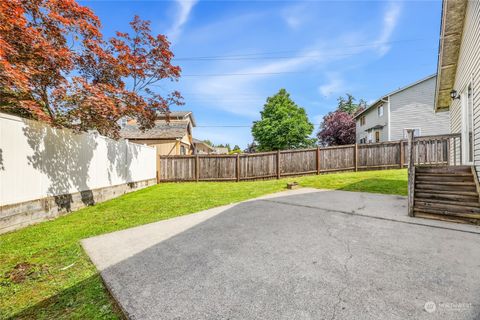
[[434, 150]]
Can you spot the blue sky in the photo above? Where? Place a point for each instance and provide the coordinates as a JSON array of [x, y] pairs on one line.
[[234, 54]]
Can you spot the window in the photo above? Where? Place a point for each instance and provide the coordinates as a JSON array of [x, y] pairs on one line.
[[377, 136], [416, 132], [380, 111], [182, 150], [362, 120]]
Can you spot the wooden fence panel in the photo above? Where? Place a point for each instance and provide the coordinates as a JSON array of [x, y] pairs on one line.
[[217, 167], [298, 162], [258, 166], [337, 158], [379, 155], [177, 168], [434, 150]]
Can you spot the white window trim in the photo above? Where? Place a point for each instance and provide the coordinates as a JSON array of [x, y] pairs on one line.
[[378, 111]]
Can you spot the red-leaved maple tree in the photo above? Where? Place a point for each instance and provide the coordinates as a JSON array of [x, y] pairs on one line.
[[337, 128], [55, 66]]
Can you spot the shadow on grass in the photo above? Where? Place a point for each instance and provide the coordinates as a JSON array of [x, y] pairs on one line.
[[385, 186], [87, 299]]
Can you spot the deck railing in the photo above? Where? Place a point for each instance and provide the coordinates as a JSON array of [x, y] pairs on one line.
[[428, 150]]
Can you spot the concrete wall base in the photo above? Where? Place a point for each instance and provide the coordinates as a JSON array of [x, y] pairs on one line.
[[19, 215]]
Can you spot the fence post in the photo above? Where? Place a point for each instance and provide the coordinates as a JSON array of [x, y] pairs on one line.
[[411, 173], [318, 159], [355, 155], [237, 167], [402, 154], [278, 164], [197, 168], [158, 167]]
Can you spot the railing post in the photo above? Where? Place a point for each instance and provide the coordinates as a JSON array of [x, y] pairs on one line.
[[197, 168], [411, 173], [237, 166], [448, 151], [460, 147], [318, 159], [278, 164], [355, 156]]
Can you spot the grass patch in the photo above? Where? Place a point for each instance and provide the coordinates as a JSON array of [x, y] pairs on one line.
[[44, 273]]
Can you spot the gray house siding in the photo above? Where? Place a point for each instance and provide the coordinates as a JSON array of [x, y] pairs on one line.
[[372, 120], [468, 73], [413, 108]]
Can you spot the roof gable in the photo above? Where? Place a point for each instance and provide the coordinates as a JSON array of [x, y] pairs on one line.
[[370, 107], [161, 130]]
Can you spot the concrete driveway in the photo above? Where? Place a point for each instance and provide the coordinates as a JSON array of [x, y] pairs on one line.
[[304, 254]]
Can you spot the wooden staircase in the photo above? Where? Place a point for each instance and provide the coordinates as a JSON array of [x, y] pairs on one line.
[[447, 193]]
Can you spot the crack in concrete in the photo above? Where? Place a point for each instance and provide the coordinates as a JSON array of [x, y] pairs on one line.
[[346, 272], [364, 215]]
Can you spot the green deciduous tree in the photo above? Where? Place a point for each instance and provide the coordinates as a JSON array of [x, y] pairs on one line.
[[283, 125]]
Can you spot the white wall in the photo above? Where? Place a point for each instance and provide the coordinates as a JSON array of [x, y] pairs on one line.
[[37, 161]]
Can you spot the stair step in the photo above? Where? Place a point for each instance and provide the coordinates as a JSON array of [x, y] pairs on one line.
[[447, 192], [446, 196], [445, 178], [450, 183], [468, 204], [441, 217], [460, 208], [446, 187], [443, 169], [446, 212], [444, 174]]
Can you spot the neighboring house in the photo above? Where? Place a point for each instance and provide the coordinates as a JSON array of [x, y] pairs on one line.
[[458, 83], [172, 137], [201, 147], [410, 107], [221, 150]]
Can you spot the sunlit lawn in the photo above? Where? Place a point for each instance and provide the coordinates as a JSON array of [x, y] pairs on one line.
[[44, 273]]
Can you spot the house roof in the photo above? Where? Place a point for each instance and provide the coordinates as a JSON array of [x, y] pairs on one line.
[[162, 130], [196, 141], [453, 15], [178, 115], [378, 126], [221, 150], [392, 93]]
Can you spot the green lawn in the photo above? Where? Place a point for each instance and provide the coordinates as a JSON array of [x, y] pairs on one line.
[[44, 273]]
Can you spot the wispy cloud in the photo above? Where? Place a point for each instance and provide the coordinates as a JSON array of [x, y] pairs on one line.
[[219, 88], [295, 16], [183, 13], [334, 85], [390, 20], [224, 93]]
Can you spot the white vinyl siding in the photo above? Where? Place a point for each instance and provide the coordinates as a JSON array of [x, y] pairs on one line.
[[413, 108], [468, 72], [372, 119]]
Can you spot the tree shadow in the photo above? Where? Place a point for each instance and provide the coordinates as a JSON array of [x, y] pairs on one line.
[[64, 157], [378, 185], [120, 155], [2, 167], [86, 299]]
